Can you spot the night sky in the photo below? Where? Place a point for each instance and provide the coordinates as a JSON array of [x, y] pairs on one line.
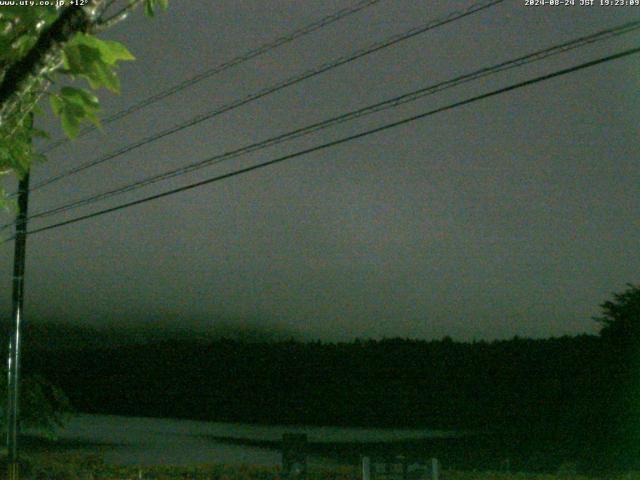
[[516, 215]]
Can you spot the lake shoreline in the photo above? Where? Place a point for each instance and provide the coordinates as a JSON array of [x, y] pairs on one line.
[[149, 441]]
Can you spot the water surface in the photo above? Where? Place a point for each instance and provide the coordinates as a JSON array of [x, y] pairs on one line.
[[153, 441]]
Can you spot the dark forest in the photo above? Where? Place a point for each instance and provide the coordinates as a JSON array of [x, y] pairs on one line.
[[575, 397]]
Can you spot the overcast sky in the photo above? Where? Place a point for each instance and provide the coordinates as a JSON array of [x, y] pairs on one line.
[[516, 215]]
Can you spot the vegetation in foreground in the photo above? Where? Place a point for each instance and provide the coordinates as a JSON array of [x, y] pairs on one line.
[[69, 466]]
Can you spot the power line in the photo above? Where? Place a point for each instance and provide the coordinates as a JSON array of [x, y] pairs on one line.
[[451, 17], [368, 110], [340, 141], [251, 54]]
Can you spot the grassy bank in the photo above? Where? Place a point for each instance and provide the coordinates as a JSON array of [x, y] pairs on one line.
[[69, 466]]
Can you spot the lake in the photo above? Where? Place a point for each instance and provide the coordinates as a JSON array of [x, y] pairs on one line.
[[153, 441]]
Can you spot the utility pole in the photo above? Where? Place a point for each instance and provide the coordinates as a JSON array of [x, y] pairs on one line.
[[13, 362]]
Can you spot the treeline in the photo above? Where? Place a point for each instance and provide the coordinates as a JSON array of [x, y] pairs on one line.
[[570, 390]]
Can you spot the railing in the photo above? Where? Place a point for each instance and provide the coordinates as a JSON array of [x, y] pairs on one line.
[[400, 468], [294, 463]]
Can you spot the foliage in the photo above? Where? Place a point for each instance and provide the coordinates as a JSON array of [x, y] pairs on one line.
[[620, 318], [79, 467], [620, 334], [82, 56], [151, 6], [43, 406]]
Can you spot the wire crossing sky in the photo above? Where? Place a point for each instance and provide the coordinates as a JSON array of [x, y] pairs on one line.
[[256, 52], [325, 67], [510, 215], [380, 106], [343, 140]]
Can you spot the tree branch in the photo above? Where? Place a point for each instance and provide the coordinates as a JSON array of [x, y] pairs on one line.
[[117, 17], [39, 59]]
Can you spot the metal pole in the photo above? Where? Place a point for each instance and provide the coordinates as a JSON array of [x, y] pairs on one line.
[[13, 366], [435, 469], [366, 468]]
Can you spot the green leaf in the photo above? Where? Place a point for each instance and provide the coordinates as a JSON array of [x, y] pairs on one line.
[[74, 105], [7, 204], [109, 51], [16, 154], [113, 51], [5, 156], [21, 45], [80, 97], [70, 124], [88, 62], [150, 6], [77, 59], [56, 104], [83, 99], [103, 75], [110, 79]]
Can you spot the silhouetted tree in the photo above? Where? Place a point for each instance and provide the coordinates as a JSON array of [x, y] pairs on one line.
[[620, 319], [619, 410]]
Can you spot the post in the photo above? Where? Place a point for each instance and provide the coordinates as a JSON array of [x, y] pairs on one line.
[[13, 361], [435, 469], [366, 468]]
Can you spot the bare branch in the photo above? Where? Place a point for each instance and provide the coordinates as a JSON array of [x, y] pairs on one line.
[[117, 17], [104, 8]]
